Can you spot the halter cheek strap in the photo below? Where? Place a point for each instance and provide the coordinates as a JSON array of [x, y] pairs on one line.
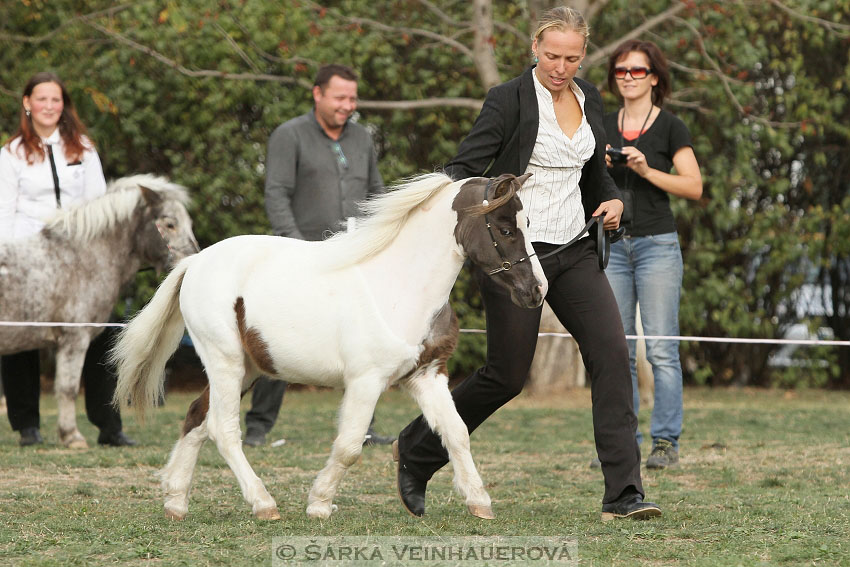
[[506, 264]]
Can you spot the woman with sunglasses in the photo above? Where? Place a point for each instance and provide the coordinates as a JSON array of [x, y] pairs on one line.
[[645, 267]]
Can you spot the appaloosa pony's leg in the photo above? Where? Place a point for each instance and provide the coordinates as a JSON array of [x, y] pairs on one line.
[[176, 476], [70, 356], [226, 374], [431, 391], [355, 413]]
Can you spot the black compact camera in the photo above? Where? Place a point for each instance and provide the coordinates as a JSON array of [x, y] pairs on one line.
[[617, 156]]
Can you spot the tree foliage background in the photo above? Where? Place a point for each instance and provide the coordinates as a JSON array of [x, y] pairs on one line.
[[192, 90]]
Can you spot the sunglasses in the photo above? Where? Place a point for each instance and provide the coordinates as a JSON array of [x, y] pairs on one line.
[[340, 157], [635, 72]]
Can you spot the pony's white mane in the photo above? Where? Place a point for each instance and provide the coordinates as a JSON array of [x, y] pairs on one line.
[[88, 220], [385, 216]]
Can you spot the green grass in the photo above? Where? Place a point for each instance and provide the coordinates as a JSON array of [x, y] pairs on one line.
[[765, 480]]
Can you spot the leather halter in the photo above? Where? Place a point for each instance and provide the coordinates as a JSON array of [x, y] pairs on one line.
[[604, 238], [506, 264]]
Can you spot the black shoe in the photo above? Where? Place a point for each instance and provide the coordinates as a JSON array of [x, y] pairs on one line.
[[411, 490], [254, 438], [117, 439], [630, 506], [373, 438], [30, 436]]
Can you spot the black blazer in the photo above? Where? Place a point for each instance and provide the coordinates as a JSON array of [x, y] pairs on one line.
[[504, 134]]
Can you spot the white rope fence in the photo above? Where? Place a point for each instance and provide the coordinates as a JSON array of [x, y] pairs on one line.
[[703, 339], [809, 342]]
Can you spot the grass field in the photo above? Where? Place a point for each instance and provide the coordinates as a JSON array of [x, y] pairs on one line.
[[765, 480]]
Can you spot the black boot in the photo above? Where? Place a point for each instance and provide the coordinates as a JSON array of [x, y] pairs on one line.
[[411, 490], [30, 436], [117, 439]]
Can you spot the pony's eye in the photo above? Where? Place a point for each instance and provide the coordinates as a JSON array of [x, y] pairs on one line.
[[506, 232]]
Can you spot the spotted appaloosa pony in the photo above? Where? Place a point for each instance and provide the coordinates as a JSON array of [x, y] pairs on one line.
[[363, 310], [73, 270]]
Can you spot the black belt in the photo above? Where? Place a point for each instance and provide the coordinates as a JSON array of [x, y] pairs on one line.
[[604, 238]]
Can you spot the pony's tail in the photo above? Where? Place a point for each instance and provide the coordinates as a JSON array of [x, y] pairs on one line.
[[146, 344]]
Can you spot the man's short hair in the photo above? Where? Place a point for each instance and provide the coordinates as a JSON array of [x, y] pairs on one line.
[[326, 72]]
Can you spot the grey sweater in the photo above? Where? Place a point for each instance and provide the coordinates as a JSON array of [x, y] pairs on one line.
[[313, 183]]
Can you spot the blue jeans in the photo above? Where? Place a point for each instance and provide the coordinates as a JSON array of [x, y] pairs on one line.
[[648, 270]]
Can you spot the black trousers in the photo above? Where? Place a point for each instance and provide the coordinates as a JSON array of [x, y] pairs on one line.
[[265, 404], [581, 298], [266, 400], [20, 373]]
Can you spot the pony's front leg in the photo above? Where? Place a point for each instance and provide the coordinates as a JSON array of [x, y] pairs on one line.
[[355, 413], [431, 392], [70, 357]]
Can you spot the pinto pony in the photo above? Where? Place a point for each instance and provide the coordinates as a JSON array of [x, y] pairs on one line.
[[362, 311], [73, 270]]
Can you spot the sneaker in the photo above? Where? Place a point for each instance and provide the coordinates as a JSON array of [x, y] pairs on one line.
[[30, 436], [663, 455], [255, 438]]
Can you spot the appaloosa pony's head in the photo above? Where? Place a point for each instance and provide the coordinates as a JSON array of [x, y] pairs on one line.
[[167, 236], [492, 230], [152, 210]]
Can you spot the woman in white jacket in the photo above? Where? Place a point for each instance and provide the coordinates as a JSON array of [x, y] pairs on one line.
[[49, 163]]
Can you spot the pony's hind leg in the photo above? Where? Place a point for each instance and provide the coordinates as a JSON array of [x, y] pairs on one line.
[[355, 413], [70, 357], [176, 476], [226, 378], [430, 390]]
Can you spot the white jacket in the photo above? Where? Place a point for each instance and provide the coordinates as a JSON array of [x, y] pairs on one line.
[[27, 194]]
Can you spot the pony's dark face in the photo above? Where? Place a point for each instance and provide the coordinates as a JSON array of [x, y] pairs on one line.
[[167, 237], [492, 230]]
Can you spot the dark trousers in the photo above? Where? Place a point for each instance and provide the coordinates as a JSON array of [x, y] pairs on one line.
[[265, 404], [266, 400], [20, 373], [581, 298]]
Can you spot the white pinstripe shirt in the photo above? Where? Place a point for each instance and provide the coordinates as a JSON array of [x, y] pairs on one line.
[[551, 197]]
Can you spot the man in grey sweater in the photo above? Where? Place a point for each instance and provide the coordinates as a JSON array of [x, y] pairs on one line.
[[320, 166]]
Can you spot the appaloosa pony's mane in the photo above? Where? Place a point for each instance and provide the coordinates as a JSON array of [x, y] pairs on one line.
[[385, 216], [89, 220]]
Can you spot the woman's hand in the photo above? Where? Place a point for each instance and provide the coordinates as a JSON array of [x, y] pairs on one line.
[[636, 160], [613, 210]]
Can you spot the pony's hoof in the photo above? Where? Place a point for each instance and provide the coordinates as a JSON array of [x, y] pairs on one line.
[[267, 514], [320, 510], [174, 515], [480, 511], [77, 444]]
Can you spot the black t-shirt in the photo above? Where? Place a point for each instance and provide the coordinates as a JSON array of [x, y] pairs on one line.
[[660, 142]]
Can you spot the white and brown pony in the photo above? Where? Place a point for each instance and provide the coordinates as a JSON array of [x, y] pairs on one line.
[[72, 272], [362, 311]]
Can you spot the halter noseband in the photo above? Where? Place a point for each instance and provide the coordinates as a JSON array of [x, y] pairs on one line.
[[506, 264]]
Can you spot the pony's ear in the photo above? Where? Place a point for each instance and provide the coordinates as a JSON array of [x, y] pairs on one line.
[[503, 185], [524, 177], [151, 197]]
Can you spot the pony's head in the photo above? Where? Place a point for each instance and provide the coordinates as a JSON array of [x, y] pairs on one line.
[[167, 235], [492, 230], [163, 234]]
